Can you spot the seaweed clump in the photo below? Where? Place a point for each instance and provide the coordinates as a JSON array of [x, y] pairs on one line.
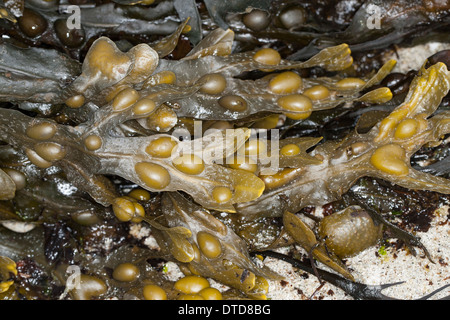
[[188, 152]]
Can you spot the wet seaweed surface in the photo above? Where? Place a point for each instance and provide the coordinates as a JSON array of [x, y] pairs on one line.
[[208, 135]]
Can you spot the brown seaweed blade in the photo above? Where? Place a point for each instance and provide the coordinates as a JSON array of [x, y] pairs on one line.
[[99, 128], [27, 76], [107, 71], [383, 152], [131, 158], [256, 96], [229, 263]]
